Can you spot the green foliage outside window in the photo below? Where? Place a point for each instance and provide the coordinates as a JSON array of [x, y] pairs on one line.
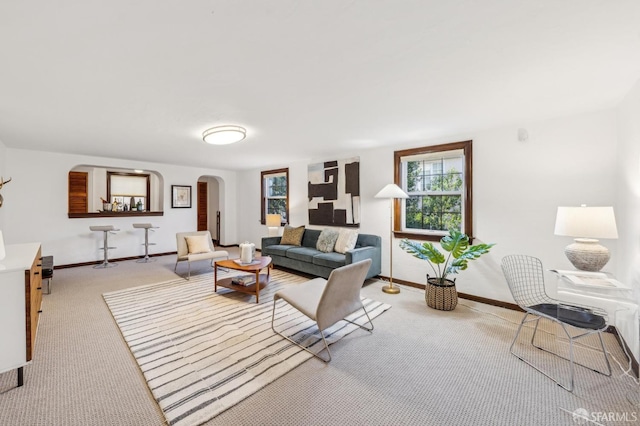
[[276, 195], [435, 201]]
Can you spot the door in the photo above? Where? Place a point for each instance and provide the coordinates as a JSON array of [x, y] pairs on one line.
[[203, 224]]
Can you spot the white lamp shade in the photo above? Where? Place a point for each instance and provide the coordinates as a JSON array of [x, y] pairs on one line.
[[586, 222], [273, 220], [224, 135], [391, 191]]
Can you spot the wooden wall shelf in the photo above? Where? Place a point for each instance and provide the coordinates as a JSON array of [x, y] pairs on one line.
[[113, 214]]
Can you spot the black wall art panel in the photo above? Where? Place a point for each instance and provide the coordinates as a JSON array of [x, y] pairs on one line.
[[334, 193]]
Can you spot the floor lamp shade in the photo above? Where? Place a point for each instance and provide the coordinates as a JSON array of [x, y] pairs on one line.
[[391, 191], [586, 225]]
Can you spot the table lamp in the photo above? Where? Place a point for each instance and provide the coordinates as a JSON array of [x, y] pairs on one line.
[[273, 222], [391, 191], [586, 224]]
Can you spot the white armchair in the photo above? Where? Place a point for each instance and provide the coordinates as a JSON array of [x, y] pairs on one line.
[[198, 245], [326, 301]]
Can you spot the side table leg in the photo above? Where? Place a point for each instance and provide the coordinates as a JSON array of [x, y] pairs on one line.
[[258, 286], [215, 277]]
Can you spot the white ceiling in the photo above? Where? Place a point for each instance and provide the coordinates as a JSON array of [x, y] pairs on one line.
[[143, 79]]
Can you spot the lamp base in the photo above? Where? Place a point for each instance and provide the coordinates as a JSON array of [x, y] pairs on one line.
[[391, 289], [587, 255]]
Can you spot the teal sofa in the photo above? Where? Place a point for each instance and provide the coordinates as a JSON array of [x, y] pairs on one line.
[[306, 258]]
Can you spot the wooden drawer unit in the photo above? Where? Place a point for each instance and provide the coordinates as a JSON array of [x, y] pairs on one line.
[[20, 299]]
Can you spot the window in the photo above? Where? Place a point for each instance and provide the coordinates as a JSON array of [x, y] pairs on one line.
[[438, 181], [275, 194]]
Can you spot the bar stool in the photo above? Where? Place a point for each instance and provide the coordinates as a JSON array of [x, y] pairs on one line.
[[146, 227], [105, 229]]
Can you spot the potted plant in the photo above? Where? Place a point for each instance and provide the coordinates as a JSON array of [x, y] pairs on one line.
[[440, 291]]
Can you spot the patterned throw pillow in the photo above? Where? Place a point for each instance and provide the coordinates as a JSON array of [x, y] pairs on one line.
[[327, 240], [197, 244], [347, 239], [292, 236]]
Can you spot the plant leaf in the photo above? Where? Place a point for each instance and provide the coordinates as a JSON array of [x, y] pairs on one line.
[[473, 252], [425, 251], [456, 243]]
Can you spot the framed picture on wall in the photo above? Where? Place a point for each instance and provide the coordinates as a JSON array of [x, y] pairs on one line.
[[180, 196]]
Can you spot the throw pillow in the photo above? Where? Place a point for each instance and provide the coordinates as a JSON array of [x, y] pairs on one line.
[[346, 240], [292, 236], [197, 244], [327, 240]]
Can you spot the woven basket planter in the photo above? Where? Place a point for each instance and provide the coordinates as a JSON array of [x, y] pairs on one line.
[[443, 297]]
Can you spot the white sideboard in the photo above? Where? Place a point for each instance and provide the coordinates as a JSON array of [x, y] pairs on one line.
[[20, 300]]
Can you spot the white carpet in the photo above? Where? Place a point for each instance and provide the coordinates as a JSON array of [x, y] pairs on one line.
[[203, 352]]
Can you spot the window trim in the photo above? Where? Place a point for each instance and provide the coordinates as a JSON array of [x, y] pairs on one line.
[[468, 180], [263, 198]]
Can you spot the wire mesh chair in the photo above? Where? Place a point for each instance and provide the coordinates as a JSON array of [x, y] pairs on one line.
[[525, 277]]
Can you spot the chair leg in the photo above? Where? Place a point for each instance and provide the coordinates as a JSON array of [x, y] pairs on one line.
[[317, 355], [362, 326], [535, 330], [517, 334]]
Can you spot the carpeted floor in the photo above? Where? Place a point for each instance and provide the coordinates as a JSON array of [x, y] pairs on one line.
[[419, 367]]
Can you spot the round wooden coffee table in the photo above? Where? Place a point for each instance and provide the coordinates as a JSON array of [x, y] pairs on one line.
[[260, 282]]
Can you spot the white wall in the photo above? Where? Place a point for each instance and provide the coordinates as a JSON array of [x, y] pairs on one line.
[[3, 168], [517, 187], [36, 208], [628, 184]]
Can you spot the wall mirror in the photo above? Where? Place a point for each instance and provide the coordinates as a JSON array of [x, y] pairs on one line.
[[113, 191]]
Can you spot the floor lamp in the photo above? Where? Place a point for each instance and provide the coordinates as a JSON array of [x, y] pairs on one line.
[[391, 191]]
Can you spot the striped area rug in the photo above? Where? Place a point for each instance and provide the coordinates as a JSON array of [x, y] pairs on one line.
[[203, 352]]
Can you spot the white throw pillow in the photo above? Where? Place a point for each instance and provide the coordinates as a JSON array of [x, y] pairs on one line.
[[197, 244], [346, 240]]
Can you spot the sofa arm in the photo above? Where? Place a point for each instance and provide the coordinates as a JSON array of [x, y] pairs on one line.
[[362, 253], [270, 241]]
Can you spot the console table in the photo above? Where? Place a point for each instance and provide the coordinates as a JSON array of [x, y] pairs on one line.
[[602, 290], [20, 300]]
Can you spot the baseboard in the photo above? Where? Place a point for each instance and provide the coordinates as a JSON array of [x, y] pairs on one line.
[[120, 259], [484, 300]]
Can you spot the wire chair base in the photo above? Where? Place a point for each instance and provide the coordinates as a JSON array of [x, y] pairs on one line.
[[572, 362]]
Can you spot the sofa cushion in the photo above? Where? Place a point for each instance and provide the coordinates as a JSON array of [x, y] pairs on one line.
[[346, 240], [331, 260], [302, 253], [310, 237], [277, 250], [327, 240], [292, 236]]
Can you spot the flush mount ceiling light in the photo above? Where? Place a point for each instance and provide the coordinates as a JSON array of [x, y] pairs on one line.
[[224, 135]]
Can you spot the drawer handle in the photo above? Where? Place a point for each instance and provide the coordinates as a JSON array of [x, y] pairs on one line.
[[36, 273], [40, 311], [39, 288], [39, 264]]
